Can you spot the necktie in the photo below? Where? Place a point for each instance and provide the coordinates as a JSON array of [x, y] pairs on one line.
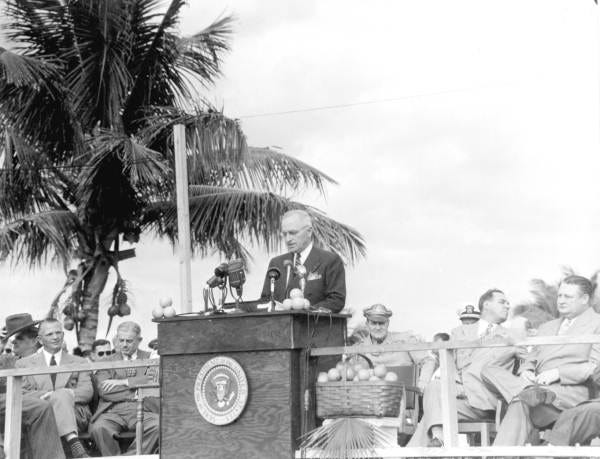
[[53, 375], [488, 330], [564, 326], [297, 261]]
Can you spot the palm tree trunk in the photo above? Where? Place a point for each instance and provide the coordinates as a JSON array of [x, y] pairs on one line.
[[91, 300]]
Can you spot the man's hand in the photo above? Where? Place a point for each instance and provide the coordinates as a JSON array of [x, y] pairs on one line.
[[548, 377], [521, 352], [110, 384], [529, 376], [46, 396]]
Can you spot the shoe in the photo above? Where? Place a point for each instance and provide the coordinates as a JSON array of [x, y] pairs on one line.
[[435, 442], [77, 449], [536, 395]]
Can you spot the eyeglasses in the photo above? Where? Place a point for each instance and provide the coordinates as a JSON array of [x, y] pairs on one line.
[[103, 353]]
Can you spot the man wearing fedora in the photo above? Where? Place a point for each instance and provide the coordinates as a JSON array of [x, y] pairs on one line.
[[68, 393], [40, 433]]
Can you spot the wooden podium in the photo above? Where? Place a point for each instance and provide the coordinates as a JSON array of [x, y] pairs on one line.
[[269, 348]]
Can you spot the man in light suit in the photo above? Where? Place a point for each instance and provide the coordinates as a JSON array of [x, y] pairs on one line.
[[40, 435], [117, 408], [551, 378], [325, 274], [62, 390], [580, 424], [474, 401]]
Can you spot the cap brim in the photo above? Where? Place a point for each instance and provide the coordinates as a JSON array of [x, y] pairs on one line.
[[469, 316]]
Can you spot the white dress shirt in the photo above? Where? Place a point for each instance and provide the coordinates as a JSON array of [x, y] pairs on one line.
[[48, 356]]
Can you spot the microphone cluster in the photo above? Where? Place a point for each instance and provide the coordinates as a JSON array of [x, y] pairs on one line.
[[232, 271]]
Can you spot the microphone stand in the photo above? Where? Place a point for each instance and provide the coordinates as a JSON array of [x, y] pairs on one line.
[[272, 294]]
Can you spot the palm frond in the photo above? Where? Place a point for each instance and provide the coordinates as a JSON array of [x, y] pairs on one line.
[[39, 238], [345, 438], [100, 80], [117, 179], [214, 142], [272, 170], [27, 183], [22, 71], [201, 53], [220, 216]]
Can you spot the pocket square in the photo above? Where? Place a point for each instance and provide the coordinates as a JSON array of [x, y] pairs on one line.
[[313, 276]]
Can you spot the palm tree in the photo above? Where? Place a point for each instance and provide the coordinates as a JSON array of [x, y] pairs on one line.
[[88, 99]]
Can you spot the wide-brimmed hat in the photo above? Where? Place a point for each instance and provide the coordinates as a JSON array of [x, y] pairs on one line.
[[469, 312], [19, 322]]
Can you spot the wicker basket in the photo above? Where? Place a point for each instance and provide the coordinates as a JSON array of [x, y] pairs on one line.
[[358, 398]]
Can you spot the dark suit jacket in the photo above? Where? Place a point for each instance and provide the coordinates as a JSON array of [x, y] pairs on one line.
[[325, 280], [120, 393]]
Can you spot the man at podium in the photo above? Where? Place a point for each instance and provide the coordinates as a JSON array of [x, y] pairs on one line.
[[321, 272]]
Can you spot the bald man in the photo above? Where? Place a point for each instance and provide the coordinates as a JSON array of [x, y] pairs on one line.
[[117, 406], [325, 274]]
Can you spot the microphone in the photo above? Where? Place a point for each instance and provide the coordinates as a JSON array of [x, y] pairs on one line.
[[273, 274], [237, 276], [219, 277], [288, 267]]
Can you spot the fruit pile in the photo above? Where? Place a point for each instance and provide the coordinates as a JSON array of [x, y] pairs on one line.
[[165, 309], [296, 301], [357, 372]]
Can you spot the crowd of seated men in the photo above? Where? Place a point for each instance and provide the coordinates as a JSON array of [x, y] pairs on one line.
[[544, 388], [61, 408]]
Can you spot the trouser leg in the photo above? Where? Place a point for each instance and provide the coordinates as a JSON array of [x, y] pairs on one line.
[[577, 425], [103, 430], [149, 434], [39, 418], [63, 404]]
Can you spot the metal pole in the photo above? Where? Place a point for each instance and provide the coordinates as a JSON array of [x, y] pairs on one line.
[[183, 219]]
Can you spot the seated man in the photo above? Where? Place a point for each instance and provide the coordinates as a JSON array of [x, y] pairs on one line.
[[551, 378], [68, 393], [580, 424], [117, 408], [474, 401], [25, 342], [39, 424], [376, 332]]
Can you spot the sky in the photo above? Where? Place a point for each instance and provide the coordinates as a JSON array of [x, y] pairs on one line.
[[465, 150]]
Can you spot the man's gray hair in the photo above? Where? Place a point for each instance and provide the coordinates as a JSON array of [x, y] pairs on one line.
[[303, 215], [130, 326]]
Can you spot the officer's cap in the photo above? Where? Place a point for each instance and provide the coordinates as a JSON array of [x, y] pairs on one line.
[[377, 310]]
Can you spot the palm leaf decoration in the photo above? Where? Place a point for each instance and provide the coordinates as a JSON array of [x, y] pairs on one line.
[[345, 438]]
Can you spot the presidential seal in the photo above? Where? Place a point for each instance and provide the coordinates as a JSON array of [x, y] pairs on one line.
[[221, 390]]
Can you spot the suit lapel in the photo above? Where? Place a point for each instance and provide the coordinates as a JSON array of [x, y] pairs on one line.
[[43, 382], [313, 261], [63, 378]]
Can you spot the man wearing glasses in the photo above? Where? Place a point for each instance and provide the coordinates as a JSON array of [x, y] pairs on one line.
[[101, 350], [325, 275]]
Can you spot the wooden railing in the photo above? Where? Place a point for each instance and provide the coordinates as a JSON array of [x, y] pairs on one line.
[[445, 351], [14, 395]]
